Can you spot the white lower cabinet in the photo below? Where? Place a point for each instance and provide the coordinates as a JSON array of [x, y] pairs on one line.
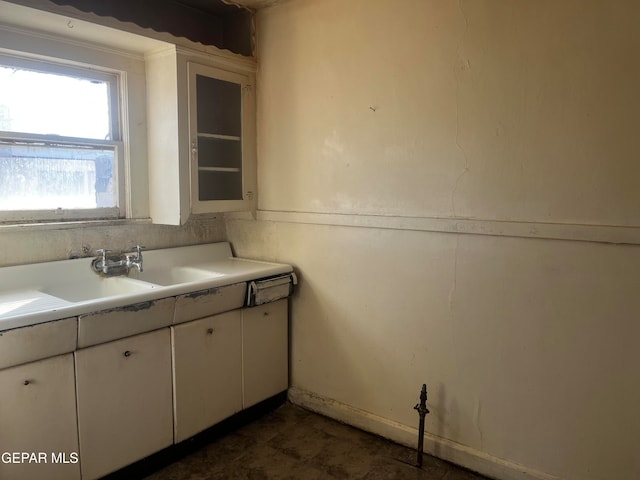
[[207, 363], [134, 396], [124, 401], [38, 418], [265, 352]]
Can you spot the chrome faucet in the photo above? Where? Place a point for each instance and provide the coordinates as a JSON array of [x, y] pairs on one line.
[[134, 259], [105, 262]]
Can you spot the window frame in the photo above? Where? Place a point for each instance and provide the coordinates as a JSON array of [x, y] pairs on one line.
[[115, 80]]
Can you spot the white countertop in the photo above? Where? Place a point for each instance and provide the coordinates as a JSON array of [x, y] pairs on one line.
[[23, 289]]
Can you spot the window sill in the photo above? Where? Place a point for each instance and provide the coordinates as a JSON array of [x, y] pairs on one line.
[[38, 226]]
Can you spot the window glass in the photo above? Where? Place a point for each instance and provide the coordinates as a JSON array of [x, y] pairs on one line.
[[53, 104], [58, 138], [36, 177]]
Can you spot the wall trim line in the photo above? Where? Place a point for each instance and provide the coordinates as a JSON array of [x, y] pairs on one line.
[[462, 455], [551, 231]]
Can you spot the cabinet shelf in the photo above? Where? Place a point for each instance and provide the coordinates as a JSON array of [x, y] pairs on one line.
[[219, 137], [219, 169]]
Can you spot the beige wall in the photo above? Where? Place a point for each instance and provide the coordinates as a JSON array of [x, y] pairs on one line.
[[483, 109], [380, 119]]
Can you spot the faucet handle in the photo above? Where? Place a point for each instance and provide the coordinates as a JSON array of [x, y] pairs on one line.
[[137, 250], [135, 258], [100, 265]]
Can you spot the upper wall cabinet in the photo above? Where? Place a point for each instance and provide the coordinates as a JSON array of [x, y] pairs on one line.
[[201, 135], [218, 140]]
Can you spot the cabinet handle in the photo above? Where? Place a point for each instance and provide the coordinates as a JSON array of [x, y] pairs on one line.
[[266, 314], [26, 382], [209, 331], [127, 353]]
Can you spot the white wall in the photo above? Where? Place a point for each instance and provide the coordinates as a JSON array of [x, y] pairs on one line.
[[504, 119]]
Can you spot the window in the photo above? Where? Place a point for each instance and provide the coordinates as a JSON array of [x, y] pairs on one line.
[[61, 149]]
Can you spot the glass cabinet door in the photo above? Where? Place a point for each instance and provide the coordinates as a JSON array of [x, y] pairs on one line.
[[216, 129]]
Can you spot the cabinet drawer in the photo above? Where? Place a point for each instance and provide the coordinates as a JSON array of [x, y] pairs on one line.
[[204, 303], [35, 342], [106, 325]]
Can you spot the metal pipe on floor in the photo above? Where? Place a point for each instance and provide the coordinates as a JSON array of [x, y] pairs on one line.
[[422, 411]]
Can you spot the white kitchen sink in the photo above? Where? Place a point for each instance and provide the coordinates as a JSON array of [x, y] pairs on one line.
[[173, 275], [36, 293], [92, 287]]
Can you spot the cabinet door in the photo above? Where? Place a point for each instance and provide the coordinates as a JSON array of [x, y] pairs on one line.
[[265, 351], [207, 363], [124, 401], [38, 415], [221, 135]]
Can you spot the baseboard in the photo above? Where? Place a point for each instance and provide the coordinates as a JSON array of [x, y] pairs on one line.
[[467, 457]]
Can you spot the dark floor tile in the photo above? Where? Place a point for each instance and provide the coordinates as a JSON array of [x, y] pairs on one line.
[[456, 473], [291, 443], [301, 444], [265, 462], [273, 423], [228, 449], [397, 470], [342, 458], [292, 413], [334, 428]]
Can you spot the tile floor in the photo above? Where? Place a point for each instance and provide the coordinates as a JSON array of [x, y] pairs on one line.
[[292, 443]]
